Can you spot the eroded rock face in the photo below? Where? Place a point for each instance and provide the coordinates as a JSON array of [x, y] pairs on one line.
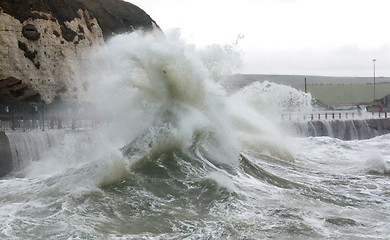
[[32, 52], [14, 90], [41, 41]]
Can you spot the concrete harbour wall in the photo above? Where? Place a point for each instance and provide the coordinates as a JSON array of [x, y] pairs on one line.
[[5, 155], [354, 129], [18, 149]]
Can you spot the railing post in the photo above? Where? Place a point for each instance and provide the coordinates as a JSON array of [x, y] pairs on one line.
[[12, 112], [346, 115], [43, 117], [312, 116], [385, 114], [24, 118], [319, 116], [353, 115], [332, 115], [339, 115], [326, 115]]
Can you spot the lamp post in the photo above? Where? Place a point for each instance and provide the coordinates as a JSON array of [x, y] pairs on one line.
[[374, 60]]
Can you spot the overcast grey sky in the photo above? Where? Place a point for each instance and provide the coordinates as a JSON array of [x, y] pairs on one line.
[[317, 37]]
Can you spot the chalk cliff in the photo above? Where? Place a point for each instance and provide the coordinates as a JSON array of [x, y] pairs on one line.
[[41, 40]]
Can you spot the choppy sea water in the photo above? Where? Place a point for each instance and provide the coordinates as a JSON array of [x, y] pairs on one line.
[[335, 189], [181, 159]]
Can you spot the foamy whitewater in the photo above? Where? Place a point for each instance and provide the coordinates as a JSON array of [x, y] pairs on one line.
[[178, 158]]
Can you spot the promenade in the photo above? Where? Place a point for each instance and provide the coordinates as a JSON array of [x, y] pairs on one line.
[[25, 117]]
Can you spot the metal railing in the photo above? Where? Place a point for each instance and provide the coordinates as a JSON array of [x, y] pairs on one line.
[[337, 115], [25, 117]]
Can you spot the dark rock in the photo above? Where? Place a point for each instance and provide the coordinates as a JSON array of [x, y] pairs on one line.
[[22, 46], [81, 29], [36, 15], [14, 90], [30, 55], [30, 32], [57, 34], [37, 65], [27, 53], [44, 17], [90, 26], [67, 33]]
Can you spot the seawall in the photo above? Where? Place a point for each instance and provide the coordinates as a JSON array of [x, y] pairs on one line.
[[5, 155], [355, 129], [18, 149]]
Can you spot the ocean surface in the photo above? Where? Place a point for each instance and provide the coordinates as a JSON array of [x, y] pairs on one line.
[[179, 158]]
